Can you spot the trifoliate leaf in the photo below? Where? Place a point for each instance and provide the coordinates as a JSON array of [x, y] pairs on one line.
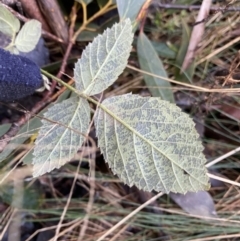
[[28, 36], [151, 143], [9, 24], [104, 59], [60, 136]]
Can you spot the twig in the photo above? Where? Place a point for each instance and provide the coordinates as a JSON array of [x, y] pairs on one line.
[[196, 35], [91, 195], [73, 36], [190, 86], [24, 19], [223, 180], [96, 15], [92, 186], [53, 227], [70, 42], [230, 153], [195, 7], [51, 36], [217, 51]]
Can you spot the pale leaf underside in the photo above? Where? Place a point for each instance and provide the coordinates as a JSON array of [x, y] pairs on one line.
[[9, 24], [104, 59], [60, 138], [28, 36], [155, 145]]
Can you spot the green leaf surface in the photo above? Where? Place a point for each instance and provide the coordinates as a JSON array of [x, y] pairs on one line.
[[150, 62], [102, 3], [27, 159], [28, 36], [129, 8], [151, 143], [104, 59], [24, 133], [91, 31], [87, 35], [32, 196], [163, 50], [9, 24], [109, 22], [61, 135], [85, 1], [186, 76], [4, 128]]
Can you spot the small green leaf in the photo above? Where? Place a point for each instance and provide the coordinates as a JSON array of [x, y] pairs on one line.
[[28, 36], [92, 31], [9, 24], [85, 1], [150, 62], [4, 128], [129, 8], [61, 135], [102, 3], [104, 59], [24, 133], [186, 76], [109, 22], [163, 50], [151, 143], [87, 35], [27, 159], [32, 196]]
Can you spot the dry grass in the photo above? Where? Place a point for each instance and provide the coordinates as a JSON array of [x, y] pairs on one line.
[[76, 206]]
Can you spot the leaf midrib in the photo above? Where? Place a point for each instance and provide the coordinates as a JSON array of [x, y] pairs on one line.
[[140, 136], [11, 24], [107, 57]]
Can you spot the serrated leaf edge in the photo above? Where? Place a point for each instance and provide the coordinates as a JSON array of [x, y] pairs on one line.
[[106, 110], [63, 134], [89, 88]]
